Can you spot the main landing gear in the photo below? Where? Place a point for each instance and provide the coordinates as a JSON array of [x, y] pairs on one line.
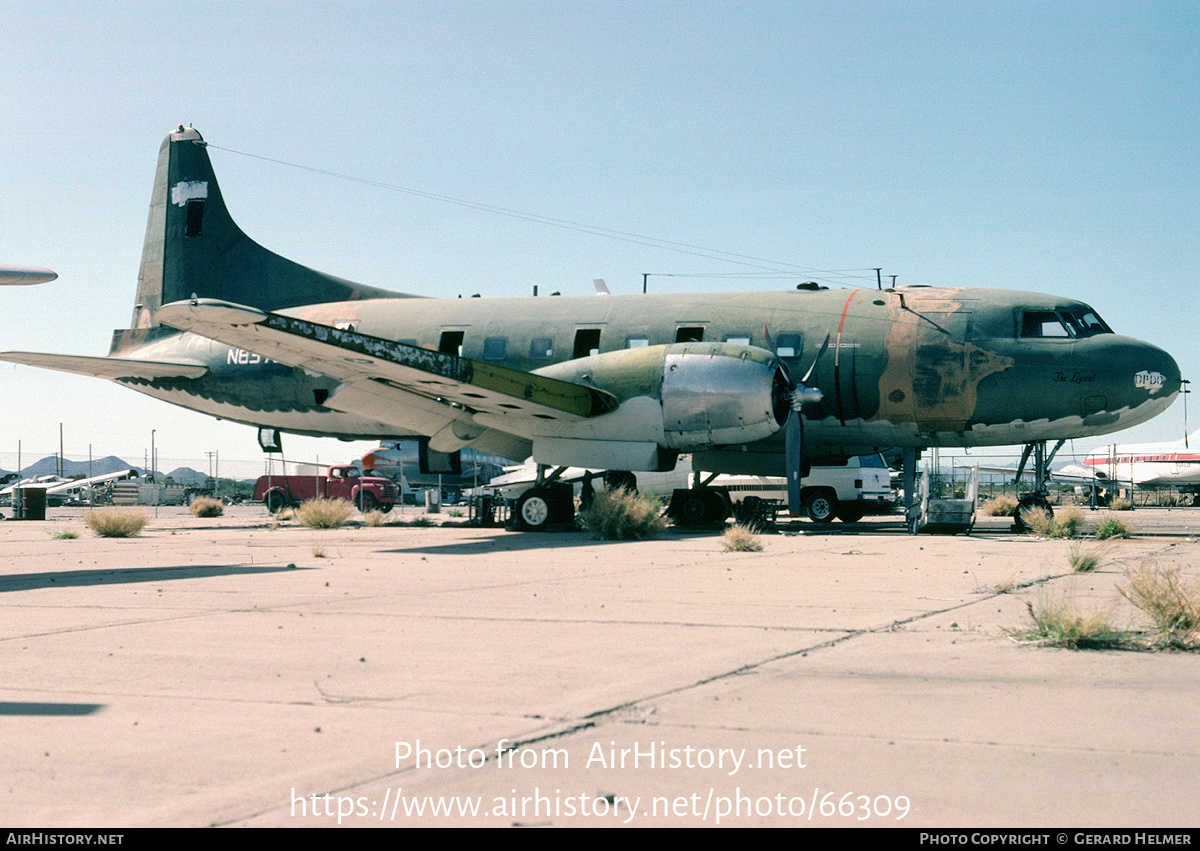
[[543, 506]]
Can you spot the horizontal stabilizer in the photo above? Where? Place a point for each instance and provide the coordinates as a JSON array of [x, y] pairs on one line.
[[108, 367], [21, 275]]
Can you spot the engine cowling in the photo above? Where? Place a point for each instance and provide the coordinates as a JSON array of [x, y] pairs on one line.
[[716, 394], [711, 394]]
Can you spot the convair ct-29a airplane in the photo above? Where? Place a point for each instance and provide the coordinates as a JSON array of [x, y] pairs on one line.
[[749, 383]]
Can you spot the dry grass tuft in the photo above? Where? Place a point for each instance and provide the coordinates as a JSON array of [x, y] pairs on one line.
[[1065, 524], [204, 506], [624, 515], [999, 506], [1057, 622], [1084, 561], [1171, 604], [741, 539], [373, 518], [324, 513], [115, 522], [1112, 527]]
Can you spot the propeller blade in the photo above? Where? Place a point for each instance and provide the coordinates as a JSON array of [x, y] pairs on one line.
[[793, 452], [808, 374]]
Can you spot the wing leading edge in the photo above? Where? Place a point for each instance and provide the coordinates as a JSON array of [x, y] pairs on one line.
[[412, 388]]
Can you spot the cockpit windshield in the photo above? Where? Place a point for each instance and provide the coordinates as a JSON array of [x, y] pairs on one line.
[[1072, 322]]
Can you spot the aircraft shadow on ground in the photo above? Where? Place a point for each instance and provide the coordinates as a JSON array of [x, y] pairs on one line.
[[126, 575], [38, 708], [503, 541]]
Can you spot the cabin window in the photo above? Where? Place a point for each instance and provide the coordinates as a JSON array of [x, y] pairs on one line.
[[587, 342], [738, 339], [541, 348], [637, 342], [451, 342], [788, 345], [494, 348], [689, 335]]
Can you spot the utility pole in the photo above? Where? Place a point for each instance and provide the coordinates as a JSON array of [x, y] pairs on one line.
[[878, 278]]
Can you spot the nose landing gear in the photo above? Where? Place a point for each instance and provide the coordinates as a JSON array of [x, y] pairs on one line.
[[1039, 496]]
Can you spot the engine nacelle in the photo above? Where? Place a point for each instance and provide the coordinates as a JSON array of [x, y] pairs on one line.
[[714, 394], [711, 394]]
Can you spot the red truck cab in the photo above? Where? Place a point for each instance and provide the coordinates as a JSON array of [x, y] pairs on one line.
[[341, 482]]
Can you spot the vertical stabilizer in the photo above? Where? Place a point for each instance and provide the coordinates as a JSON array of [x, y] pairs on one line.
[[194, 247]]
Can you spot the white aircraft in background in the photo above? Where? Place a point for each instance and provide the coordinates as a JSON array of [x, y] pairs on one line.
[[1146, 465], [1142, 465]]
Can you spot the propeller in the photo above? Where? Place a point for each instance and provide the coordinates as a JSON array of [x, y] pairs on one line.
[[793, 435]]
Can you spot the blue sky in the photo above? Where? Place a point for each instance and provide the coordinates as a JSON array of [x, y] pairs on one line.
[[1042, 146]]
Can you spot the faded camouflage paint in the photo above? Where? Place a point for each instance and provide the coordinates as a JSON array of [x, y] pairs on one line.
[[931, 378]]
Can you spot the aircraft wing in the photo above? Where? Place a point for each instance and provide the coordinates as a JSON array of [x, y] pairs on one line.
[[397, 383], [108, 367]]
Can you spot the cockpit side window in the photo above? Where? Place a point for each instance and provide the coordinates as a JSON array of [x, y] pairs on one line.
[[1042, 323], [1085, 322], [1071, 322]]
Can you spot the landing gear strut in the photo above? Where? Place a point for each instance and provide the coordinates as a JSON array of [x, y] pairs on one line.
[[1039, 496]]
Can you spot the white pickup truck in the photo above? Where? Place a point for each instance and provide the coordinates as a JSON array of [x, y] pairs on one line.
[[863, 485]]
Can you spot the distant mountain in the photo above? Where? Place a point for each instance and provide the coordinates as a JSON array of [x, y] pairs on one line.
[[188, 476], [48, 466]]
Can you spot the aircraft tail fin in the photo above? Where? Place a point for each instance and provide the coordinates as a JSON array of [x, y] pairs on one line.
[[193, 246]]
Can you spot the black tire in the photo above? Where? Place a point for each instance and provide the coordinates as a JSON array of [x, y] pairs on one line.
[[275, 502], [1028, 503], [821, 506], [533, 510], [850, 513], [693, 511], [367, 502], [614, 479]]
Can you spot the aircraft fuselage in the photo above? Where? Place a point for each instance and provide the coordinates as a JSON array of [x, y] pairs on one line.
[[912, 367]]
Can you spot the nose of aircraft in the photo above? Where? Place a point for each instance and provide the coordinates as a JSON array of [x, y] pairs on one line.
[[1135, 381]]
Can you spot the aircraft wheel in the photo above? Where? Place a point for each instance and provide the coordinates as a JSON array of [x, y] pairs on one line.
[[367, 502], [1028, 503], [693, 510], [850, 513], [820, 507], [533, 510], [275, 502], [386, 508]]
